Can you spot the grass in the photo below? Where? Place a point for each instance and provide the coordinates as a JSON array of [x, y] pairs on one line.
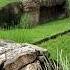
[[4, 2], [37, 33], [64, 61], [60, 43], [34, 34]]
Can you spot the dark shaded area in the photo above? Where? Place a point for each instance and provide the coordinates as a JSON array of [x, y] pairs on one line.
[[53, 12], [1, 66], [10, 14]]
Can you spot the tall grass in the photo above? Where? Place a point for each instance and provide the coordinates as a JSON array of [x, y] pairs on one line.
[[26, 21], [37, 33], [62, 60], [59, 49]]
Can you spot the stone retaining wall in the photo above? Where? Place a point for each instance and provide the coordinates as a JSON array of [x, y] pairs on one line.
[[34, 6]]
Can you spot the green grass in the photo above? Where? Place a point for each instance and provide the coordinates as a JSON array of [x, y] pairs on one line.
[[34, 34], [5, 2], [60, 43], [37, 33]]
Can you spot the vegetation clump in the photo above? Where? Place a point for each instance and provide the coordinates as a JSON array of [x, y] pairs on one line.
[[10, 15]]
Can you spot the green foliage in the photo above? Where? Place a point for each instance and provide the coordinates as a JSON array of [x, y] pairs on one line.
[[5, 2], [26, 17], [60, 43], [37, 33], [25, 21]]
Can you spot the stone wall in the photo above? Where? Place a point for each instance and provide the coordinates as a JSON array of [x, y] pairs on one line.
[[51, 2], [31, 7], [51, 11]]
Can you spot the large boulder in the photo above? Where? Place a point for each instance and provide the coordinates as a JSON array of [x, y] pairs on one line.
[[15, 56]]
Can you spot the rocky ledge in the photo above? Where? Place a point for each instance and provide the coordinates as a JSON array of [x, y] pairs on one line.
[[15, 56]]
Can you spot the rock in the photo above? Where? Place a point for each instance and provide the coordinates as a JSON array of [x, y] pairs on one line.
[[39, 11], [15, 56], [33, 66]]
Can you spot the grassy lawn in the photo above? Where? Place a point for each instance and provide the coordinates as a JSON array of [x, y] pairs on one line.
[[37, 33], [62, 42]]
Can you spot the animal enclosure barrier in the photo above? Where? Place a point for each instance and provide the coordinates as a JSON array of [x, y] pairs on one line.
[[53, 12], [35, 11], [45, 10]]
